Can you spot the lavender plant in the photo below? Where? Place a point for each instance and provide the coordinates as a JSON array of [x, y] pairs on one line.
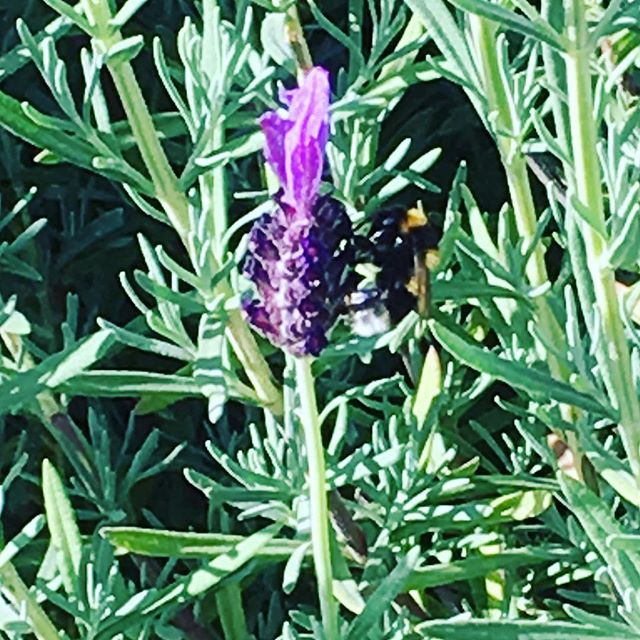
[[196, 443]]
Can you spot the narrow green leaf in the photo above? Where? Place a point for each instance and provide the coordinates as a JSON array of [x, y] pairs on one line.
[[465, 291], [469, 568], [204, 579], [14, 322], [64, 147], [538, 29], [189, 303], [243, 475], [116, 384], [378, 94], [597, 520], [444, 31], [144, 343], [336, 33], [514, 373], [429, 386], [126, 12], [209, 362], [218, 493], [406, 51], [607, 625], [178, 544], [231, 612], [403, 178], [14, 59], [21, 389], [607, 23], [380, 600], [21, 539], [625, 542], [609, 466], [234, 149], [125, 50], [553, 145], [362, 464], [472, 629], [85, 354], [71, 13], [586, 214], [293, 567], [344, 586], [65, 536], [516, 506]]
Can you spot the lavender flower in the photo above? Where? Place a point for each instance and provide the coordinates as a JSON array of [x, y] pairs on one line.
[[298, 253]]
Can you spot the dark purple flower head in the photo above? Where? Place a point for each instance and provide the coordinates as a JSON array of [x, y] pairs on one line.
[[299, 254]]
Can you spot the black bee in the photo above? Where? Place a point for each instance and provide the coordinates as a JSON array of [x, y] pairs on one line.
[[400, 249]]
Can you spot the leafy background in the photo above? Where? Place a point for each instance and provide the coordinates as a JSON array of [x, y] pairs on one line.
[[451, 519]]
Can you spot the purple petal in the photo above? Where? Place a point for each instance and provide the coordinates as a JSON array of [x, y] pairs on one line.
[[286, 95], [304, 171], [295, 139], [275, 128], [260, 318]]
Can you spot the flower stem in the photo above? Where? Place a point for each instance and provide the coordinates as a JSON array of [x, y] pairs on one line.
[[41, 625], [297, 41], [517, 177], [515, 166], [614, 359], [213, 182], [317, 496], [164, 179], [172, 198], [255, 366]]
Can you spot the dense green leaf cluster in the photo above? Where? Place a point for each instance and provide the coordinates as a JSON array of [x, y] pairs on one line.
[[482, 463]]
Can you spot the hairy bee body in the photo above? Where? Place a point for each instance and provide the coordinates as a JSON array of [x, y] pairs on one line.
[[397, 247]]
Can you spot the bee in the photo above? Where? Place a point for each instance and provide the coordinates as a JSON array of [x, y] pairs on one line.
[[398, 253], [367, 312]]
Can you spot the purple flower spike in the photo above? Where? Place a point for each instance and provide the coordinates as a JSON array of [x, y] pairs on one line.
[[295, 139], [299, 254], [299, 267]]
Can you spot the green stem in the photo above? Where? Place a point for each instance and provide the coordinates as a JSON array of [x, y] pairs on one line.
[[614, 359], [171, 197], [213, 182], [41, 625], [255, 366], [164, 179], [297, 41], [317, 496], [484, 32]]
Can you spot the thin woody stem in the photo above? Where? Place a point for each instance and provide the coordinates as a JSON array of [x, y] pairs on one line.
[[615, 358], [171, 196], [296, 39], [320, 541]]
